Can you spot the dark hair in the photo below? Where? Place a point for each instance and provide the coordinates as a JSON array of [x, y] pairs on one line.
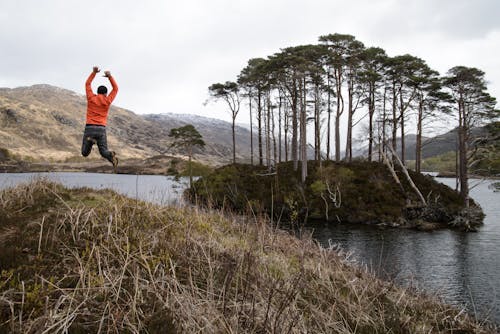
[[102, 90]]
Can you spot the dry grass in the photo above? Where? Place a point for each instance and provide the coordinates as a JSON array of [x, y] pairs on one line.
[[85, 261]]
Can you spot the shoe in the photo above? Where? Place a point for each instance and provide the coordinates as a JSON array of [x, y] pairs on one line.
[[114, 159]]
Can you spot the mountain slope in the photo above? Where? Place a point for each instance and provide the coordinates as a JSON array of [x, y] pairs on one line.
[[431, 146], [444, 143], [44, 122]]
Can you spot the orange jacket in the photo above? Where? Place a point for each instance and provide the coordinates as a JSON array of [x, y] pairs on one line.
[[98, 104]]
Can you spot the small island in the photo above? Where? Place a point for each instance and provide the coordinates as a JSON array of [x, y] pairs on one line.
[[356, 192]]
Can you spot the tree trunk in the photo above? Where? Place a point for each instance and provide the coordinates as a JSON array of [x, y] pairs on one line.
[[340, 110], [251, 131], [234, 138], [294, 129], [371, 112], [462, 142], [279, 128], [273, 137], [328, 124], [303, 138], [317, 127], [190, 167], [418, 145], [410, 181], [402, 116], [391, 169], [350, 112], [285, 130], [384, 120], [394, 117], [337, 137], [259, 124], [268, 130]]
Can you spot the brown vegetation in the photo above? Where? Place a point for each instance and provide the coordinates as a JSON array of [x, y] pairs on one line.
[[84, 261]]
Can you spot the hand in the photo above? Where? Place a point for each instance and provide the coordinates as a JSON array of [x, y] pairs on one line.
[[107, 74], [96, 69]]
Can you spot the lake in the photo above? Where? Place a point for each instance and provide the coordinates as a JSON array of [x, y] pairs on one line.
[[463, 268], [152, 188]]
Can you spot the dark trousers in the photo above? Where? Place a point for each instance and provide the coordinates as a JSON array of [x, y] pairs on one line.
[[96, 134]]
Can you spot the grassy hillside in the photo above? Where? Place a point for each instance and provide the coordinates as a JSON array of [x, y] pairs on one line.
[[45, 123], [82, 261]]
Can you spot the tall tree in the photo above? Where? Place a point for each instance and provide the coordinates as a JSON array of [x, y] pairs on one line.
[[371, 76], [402, 72], [248, 92], [474, 106], [355, 90], [430, 100], [338, 46], [229, 92], [254, 76], [286, 72], [187, 137]]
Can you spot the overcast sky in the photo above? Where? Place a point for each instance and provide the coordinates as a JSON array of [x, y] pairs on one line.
[[164, 54]]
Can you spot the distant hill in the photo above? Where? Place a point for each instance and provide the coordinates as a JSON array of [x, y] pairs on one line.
[[431, 146], [216, 133], [438, 145], [44, 122]]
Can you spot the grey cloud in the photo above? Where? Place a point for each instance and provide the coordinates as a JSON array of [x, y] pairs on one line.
[[160, 50]]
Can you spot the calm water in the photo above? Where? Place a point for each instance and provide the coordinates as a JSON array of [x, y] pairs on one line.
[[464, 268], [153, 188]]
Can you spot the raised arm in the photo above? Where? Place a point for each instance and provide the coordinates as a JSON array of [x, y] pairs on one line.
[[88, 83], [113, 93]]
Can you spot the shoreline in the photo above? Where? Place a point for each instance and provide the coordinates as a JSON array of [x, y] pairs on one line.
[[126, 166], [134, 166]]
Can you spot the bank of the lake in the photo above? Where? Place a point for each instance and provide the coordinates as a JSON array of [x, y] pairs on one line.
[[155, 165], [86, 260]]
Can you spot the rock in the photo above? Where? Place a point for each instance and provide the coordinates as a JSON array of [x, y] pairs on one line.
[[423, 225], [11, 115], [446, 174], [468, 219], [495, 186]]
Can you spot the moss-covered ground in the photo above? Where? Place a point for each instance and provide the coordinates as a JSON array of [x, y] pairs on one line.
[[357, 192]]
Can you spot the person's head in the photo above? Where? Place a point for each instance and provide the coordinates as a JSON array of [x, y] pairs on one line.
[[102, 90]]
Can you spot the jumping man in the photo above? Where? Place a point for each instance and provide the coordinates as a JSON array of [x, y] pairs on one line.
[[97, 115]]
